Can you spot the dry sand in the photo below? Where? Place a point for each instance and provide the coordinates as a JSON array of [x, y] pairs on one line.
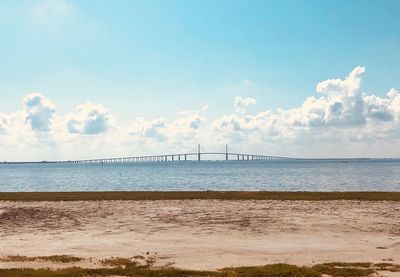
[[204, 234]]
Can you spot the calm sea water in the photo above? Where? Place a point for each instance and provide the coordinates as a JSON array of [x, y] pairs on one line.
[[310, 175]]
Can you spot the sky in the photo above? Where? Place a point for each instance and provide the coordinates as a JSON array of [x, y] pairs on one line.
[[93, 79]]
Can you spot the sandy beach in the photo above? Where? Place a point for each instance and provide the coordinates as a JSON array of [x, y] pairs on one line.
[[203, 234]]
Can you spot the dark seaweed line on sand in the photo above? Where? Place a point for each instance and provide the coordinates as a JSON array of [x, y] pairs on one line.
[[182, 195]]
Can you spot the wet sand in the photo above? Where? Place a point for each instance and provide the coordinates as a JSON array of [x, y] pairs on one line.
[[204, 234]]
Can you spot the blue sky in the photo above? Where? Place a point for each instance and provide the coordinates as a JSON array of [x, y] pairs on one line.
[[152, 59]]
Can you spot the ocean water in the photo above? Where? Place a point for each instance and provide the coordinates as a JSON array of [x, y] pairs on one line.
[[302, 175]]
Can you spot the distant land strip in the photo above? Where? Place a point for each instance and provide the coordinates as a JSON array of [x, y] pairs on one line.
[[182, 195]]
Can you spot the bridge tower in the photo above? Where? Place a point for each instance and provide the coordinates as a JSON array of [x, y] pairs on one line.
[[198, 152], [226, 152]]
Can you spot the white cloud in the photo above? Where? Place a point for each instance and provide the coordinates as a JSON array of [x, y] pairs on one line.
[[344, 105], [39, 111], [184, 128], [3, 123], [394, 103], [89, 119], [241, 103], [187, 125], [149, 129], [343, 114], [349, 86]]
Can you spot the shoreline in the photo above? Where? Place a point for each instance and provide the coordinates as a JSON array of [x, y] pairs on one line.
[[201, 195]]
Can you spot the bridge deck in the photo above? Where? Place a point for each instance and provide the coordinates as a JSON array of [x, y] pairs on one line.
[[178, 157]]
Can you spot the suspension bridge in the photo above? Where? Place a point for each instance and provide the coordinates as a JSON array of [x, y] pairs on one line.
[[177, 157]]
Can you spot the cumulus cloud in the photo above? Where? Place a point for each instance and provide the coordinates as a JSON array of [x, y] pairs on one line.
[[349, 86], [151, 129], [342, 113], [3, 123], [89, 119], [344, 105], [39, 111], [241, 103], [185, 127], [394, 103]]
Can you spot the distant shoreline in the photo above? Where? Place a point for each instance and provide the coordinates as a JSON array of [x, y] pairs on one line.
[[209, 195]]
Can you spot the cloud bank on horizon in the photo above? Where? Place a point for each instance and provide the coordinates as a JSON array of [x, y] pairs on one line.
[[340, 121]]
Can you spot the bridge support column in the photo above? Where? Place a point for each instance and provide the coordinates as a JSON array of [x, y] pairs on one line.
[[198, 152]]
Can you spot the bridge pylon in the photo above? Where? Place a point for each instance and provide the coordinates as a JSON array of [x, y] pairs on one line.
[[198, 152]]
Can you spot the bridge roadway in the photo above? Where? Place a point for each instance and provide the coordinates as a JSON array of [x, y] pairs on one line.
[[225, 156]]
